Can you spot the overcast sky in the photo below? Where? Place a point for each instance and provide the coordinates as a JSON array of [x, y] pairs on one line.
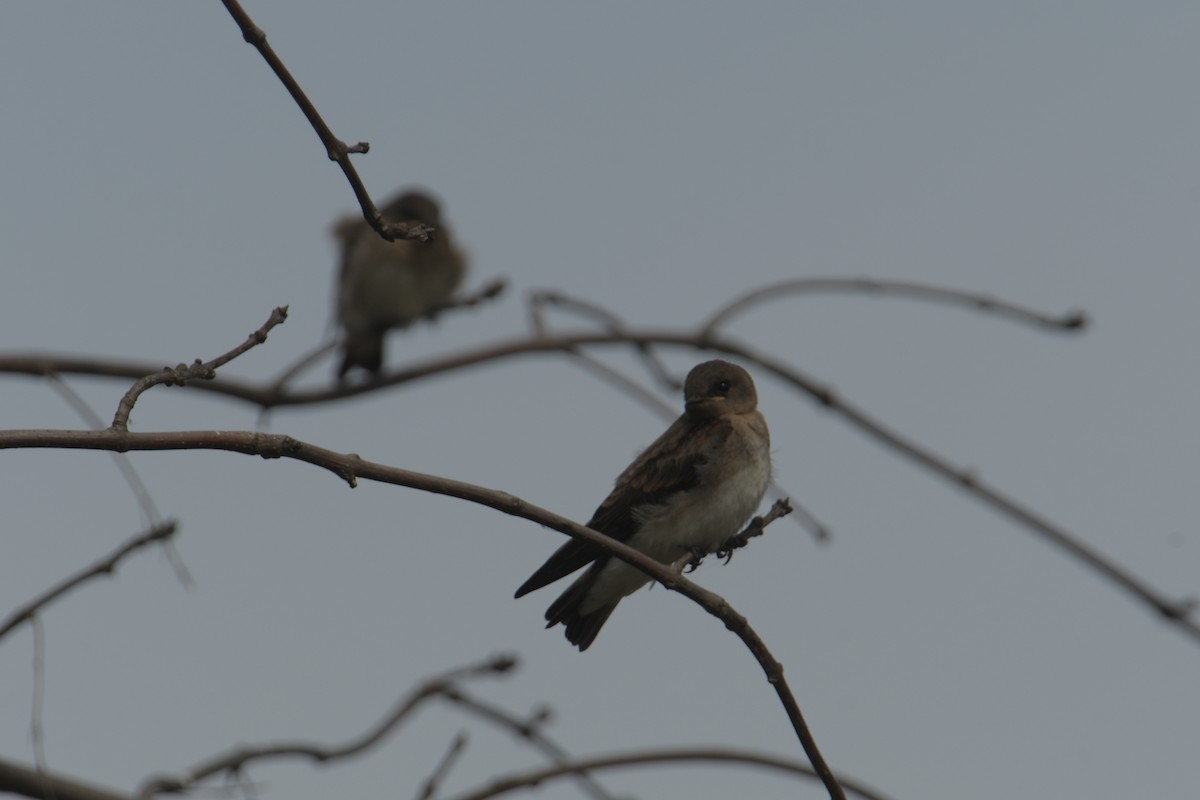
[[161, 193]]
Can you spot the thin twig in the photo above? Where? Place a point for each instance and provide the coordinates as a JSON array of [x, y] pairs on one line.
[[780, 508], [37, 732], [612, 323], [105, 566], [136, 485], [238, 758], [755, 527], [335, 148], [485, 293], [197, 370], [532, 778], [1071, 321], [430, 787], [530, 730]]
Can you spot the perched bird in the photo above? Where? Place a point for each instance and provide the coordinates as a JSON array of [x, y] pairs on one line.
[[384, 285], [687, 493]]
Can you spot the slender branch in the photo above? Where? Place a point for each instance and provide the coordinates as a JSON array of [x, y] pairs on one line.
[[443, 768], [351, 467], [136, 485], [780, 508], [105, 566], [182, 374], [134, 481], [237, 758], [612, 323], [529, 729], [532, 778], [37, 731], [335, 148], [30, 782], [1071, 321], [485, 293]]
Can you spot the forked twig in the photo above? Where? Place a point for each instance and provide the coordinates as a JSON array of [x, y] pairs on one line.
[[183, 373], [238, 758]]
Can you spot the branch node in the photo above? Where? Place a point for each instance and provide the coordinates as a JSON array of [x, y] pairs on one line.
[[1179, 610]]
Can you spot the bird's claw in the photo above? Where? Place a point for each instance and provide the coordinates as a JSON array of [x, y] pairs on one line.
[[697, 557]]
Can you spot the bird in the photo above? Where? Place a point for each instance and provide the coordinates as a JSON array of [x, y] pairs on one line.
[[687, 493], [384, 285]]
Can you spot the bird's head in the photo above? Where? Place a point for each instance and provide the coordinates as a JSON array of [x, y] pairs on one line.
[[718, 387], [412, 206]]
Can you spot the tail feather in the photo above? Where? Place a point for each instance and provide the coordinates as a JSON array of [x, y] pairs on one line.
[[362, 349], [581, 629]]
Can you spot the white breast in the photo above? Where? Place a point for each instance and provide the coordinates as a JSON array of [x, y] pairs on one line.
[[701, 518]]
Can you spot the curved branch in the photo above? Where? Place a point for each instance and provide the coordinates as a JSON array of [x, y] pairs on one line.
[[335, 148], [1176, 611], [611, 322], [526, 780], [1071, 321], [529, 730], [237, 758], [184, 373], [105, 566], [350, 467]]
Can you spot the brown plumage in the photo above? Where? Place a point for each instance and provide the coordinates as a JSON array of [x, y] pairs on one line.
[[384, 285], [689, 491]]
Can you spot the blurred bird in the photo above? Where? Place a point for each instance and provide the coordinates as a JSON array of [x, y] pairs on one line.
[[687, 493], [384, 285]]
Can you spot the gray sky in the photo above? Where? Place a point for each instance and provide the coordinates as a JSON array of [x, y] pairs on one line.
[[162, 193]]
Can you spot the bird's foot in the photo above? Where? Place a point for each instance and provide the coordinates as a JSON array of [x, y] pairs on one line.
[[697, 558]]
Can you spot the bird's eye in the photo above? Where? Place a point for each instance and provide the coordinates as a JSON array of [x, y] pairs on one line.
[[721, 387]]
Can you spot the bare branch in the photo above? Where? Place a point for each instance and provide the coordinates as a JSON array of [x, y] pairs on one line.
[[335, 148], [537, 777], [136, 485], [350, 467], [612, 323], [780, 508], [37, 732], [443, 768], [485, 293], [529, 729], [1071, 321], [236, 759], [1178, 612], [106, 566], [135, 482], [27, 782], [182, 374], [755, 527]]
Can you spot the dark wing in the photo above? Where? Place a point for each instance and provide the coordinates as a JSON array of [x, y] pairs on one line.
[[668, 466]]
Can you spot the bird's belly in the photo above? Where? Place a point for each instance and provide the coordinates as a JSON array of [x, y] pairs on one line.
[[696, 520]]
